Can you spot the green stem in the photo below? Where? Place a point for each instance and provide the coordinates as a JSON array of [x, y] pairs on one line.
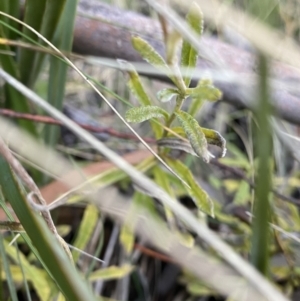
[[179, 102], [260, 225]]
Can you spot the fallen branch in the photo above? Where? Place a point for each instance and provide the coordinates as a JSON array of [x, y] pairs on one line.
[[103, 30]]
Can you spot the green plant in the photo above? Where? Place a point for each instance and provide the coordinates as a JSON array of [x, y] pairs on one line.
[[190, 136]]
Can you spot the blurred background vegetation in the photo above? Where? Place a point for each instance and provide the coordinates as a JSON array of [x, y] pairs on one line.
[[125, 242]]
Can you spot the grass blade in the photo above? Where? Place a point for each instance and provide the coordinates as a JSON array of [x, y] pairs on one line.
[[6, 268], [260, 225], [58, 69], [49, 250], [33, 16]]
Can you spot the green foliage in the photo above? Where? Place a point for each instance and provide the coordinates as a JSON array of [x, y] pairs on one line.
[[188, 53], [166, 95], [136, 87], [62, 39], [149, 54], [205, 90], [194, 133], [198, 138], [51, 253], [87, 226], [141, 114], [111, 273], [200, 197], [215, 138]]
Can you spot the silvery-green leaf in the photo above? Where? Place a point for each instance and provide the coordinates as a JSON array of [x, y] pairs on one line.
[[200, 197], [137, 89], [188, 53], [166, 95], [143, 113], [194, 134], [149, 54], [205, 90], [135, 84], [215, 138]]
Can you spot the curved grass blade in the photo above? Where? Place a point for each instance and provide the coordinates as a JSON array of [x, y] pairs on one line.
[[188, 53], [194, 134], [140, 114]]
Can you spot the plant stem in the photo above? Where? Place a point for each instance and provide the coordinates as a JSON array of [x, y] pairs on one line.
[[179, 102], [260, 226]]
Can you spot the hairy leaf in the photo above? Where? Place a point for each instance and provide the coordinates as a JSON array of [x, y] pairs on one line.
[[188, 53], [195, 135], [200, 197], [137, 89], [215, 138], [140, 114], [135, 84], [205, 90], [166, 95], [149, 54]]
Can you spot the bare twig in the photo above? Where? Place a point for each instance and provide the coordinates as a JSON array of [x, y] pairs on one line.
[[90, 128]]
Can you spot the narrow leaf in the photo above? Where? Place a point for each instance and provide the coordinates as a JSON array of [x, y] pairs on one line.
[[86, 229], [6, 268], [137, 89], [127, 238], [112, 272], [195, 135], [166, 95], [63, 40], [188, 53], [149, 54], [140, 114], [33, 16], [164, 182], [41, 281], [200, 197]]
